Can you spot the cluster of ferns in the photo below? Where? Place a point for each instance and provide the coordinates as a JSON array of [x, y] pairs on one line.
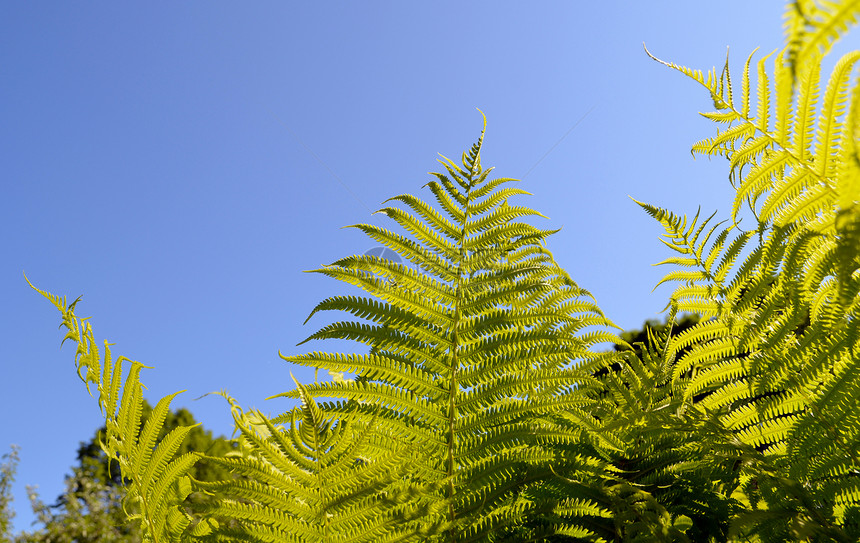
[[482, 407]]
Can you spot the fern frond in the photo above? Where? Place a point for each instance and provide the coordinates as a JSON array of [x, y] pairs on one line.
[[772, 365], [156, 478], [812, 27], [469, 355]]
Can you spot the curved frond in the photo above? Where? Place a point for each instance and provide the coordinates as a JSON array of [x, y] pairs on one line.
[[156, 479]]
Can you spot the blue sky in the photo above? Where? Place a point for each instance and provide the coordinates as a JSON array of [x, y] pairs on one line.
[[180, 165]]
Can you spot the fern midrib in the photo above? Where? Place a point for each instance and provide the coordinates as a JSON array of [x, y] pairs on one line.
[[799, 161], [455, 357], [145, 510], [322, 482]]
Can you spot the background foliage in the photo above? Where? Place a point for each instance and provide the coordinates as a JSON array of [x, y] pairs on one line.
[[90, 508]]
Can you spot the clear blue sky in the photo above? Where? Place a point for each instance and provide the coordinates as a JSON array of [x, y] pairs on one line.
[[161, 161]]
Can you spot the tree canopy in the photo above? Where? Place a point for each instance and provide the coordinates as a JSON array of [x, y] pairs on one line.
[[90, 509]]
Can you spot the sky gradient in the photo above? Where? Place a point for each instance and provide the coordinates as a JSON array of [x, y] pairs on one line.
[[180, 165]]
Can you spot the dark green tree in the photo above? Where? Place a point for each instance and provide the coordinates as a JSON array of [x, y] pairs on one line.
[[7, 476], [87, 512], [640, 335], [90, 509]]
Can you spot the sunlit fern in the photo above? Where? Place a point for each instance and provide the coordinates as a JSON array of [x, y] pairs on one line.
[[780, 349], [310, 481], [480, 410], [473, 351]]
